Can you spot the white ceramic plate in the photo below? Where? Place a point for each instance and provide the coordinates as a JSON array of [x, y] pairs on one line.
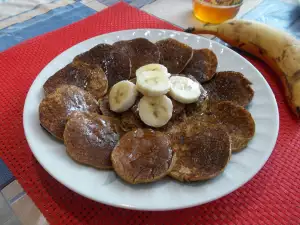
[[105, 187]]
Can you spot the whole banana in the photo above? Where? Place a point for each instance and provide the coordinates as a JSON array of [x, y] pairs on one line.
[[278, 49]]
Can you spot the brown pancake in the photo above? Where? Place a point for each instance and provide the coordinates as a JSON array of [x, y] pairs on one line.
[[236, 120], [58, 105], [90, 138], [130, 121], [203, 65], [88, 77], [115, 64], [174, 54], [230, 86], [202, 151], [140, 51], [95, 55], [142, 156]]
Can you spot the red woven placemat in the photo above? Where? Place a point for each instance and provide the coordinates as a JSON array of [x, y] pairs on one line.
[[271, 197]]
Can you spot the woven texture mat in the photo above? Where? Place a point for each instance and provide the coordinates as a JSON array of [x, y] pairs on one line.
[[271, 197]]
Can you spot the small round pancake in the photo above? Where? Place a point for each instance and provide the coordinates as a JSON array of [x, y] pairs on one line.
[[174, 55], [202, 151], [88, 77], [230, 86], [142, 156], [55, 108], [140, 51], [203, 65], [115, 64], [236, 120], [90, 138]]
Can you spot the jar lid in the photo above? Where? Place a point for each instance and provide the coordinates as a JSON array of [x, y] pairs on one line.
[[223, 2]]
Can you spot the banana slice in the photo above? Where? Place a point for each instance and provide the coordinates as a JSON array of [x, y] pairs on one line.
[[152, 67], [122, 96], [153, 83], [184, 89], [155, 111]]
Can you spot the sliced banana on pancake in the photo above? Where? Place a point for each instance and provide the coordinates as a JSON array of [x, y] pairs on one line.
[[155, 111], [122, 96], [184, 89], [152, 67], [153, 83]]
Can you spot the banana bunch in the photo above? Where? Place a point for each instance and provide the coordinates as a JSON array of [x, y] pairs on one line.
[[154, 82], [278, 49]]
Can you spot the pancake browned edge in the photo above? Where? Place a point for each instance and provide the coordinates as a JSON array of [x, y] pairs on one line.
[[90, 138], [115, 64], [229, 86], [143, 156], [174, 54], [140, 51], [203, 65], [202, 151], [55, 108], [236, 120], [91, 78]]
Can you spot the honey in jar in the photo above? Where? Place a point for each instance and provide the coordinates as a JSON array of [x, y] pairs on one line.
[[216, 11]]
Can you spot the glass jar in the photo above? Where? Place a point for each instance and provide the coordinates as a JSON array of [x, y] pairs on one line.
[[216, 11]]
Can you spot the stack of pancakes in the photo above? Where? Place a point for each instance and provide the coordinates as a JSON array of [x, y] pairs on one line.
[[195, 145]]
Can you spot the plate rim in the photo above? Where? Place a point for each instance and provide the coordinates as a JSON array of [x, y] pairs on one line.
[[111, 203]]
